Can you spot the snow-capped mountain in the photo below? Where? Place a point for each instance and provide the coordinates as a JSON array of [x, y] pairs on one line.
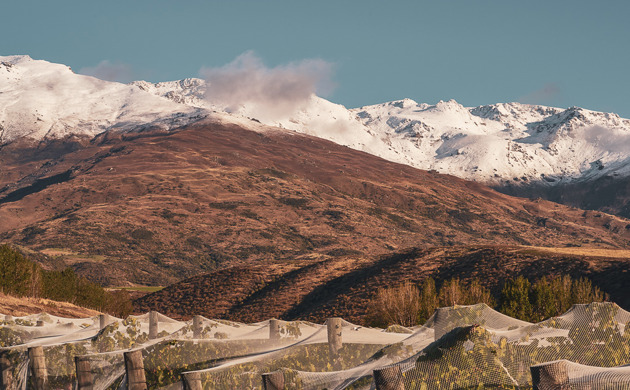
[[506, 141], [499, 143], [41, 100], [496, 144], [317, 117]]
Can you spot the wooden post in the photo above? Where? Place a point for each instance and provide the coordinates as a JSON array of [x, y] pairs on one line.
[[552, 375], [274, 329], [197, 327], [39, 323], [37, 362], [389, 378], [153, 325], [333, 326], [134, 365], [103, 320], [273, 380], [192, 380], [6, 371], [85, 378]]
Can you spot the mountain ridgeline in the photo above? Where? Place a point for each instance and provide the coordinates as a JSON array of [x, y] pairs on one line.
[[153, 184], [575, 156]]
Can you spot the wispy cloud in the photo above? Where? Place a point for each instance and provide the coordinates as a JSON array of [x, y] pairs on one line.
[[611, 140], [549, 94], [273, 92], [106, 70]]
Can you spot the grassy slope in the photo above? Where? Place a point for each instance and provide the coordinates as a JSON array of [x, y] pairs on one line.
[[21, 306]]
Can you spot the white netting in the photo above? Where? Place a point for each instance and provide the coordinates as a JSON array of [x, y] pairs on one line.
[[310, 354], [494, 356], [60, 338], [565, 374], [465, 347]]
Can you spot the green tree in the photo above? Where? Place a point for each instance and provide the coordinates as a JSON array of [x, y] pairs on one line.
[[583, 291], [16, 272], [428, 300], [515, 299], [561, 287], [543, 300], [59, 285]]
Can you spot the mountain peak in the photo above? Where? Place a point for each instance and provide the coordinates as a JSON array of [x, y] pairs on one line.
[[405, 103], [15, 59], [43, 100], [448, 105]]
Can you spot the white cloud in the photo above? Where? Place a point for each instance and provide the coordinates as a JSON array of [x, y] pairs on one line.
[[105, 70], [272, 93], [547, 95]]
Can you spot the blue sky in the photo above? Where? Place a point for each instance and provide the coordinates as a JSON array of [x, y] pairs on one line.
[[560, 53]]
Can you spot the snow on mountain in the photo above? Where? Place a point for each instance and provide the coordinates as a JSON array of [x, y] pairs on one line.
[[505, 142], [41, 100], [318, 117], [497, 144]]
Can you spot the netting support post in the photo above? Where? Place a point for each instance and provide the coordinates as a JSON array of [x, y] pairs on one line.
[[333, 327], [134, 366], [85, 378], [197, 327], [192, 381], [273, 380], [389, 378], [37, 365], [274, 329], [6, 370], [550, 375], [153, 325], [103, 320]]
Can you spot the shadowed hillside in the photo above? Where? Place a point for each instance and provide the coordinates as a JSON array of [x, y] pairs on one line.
[[344, 286]]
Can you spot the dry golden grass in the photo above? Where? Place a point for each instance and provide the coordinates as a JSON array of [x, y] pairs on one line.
[[581, 251], [18, 307]]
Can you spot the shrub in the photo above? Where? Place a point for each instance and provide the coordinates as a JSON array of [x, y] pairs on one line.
[[452, 293], [398, 305]]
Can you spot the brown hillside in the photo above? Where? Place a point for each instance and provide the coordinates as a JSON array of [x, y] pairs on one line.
[[343, 287], [19, 307], [153, 208]]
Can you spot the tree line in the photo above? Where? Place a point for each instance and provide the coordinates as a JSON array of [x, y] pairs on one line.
[[23, 277], [412, 304]]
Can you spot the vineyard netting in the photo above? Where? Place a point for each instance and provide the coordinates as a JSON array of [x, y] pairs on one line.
[[461, 347]]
